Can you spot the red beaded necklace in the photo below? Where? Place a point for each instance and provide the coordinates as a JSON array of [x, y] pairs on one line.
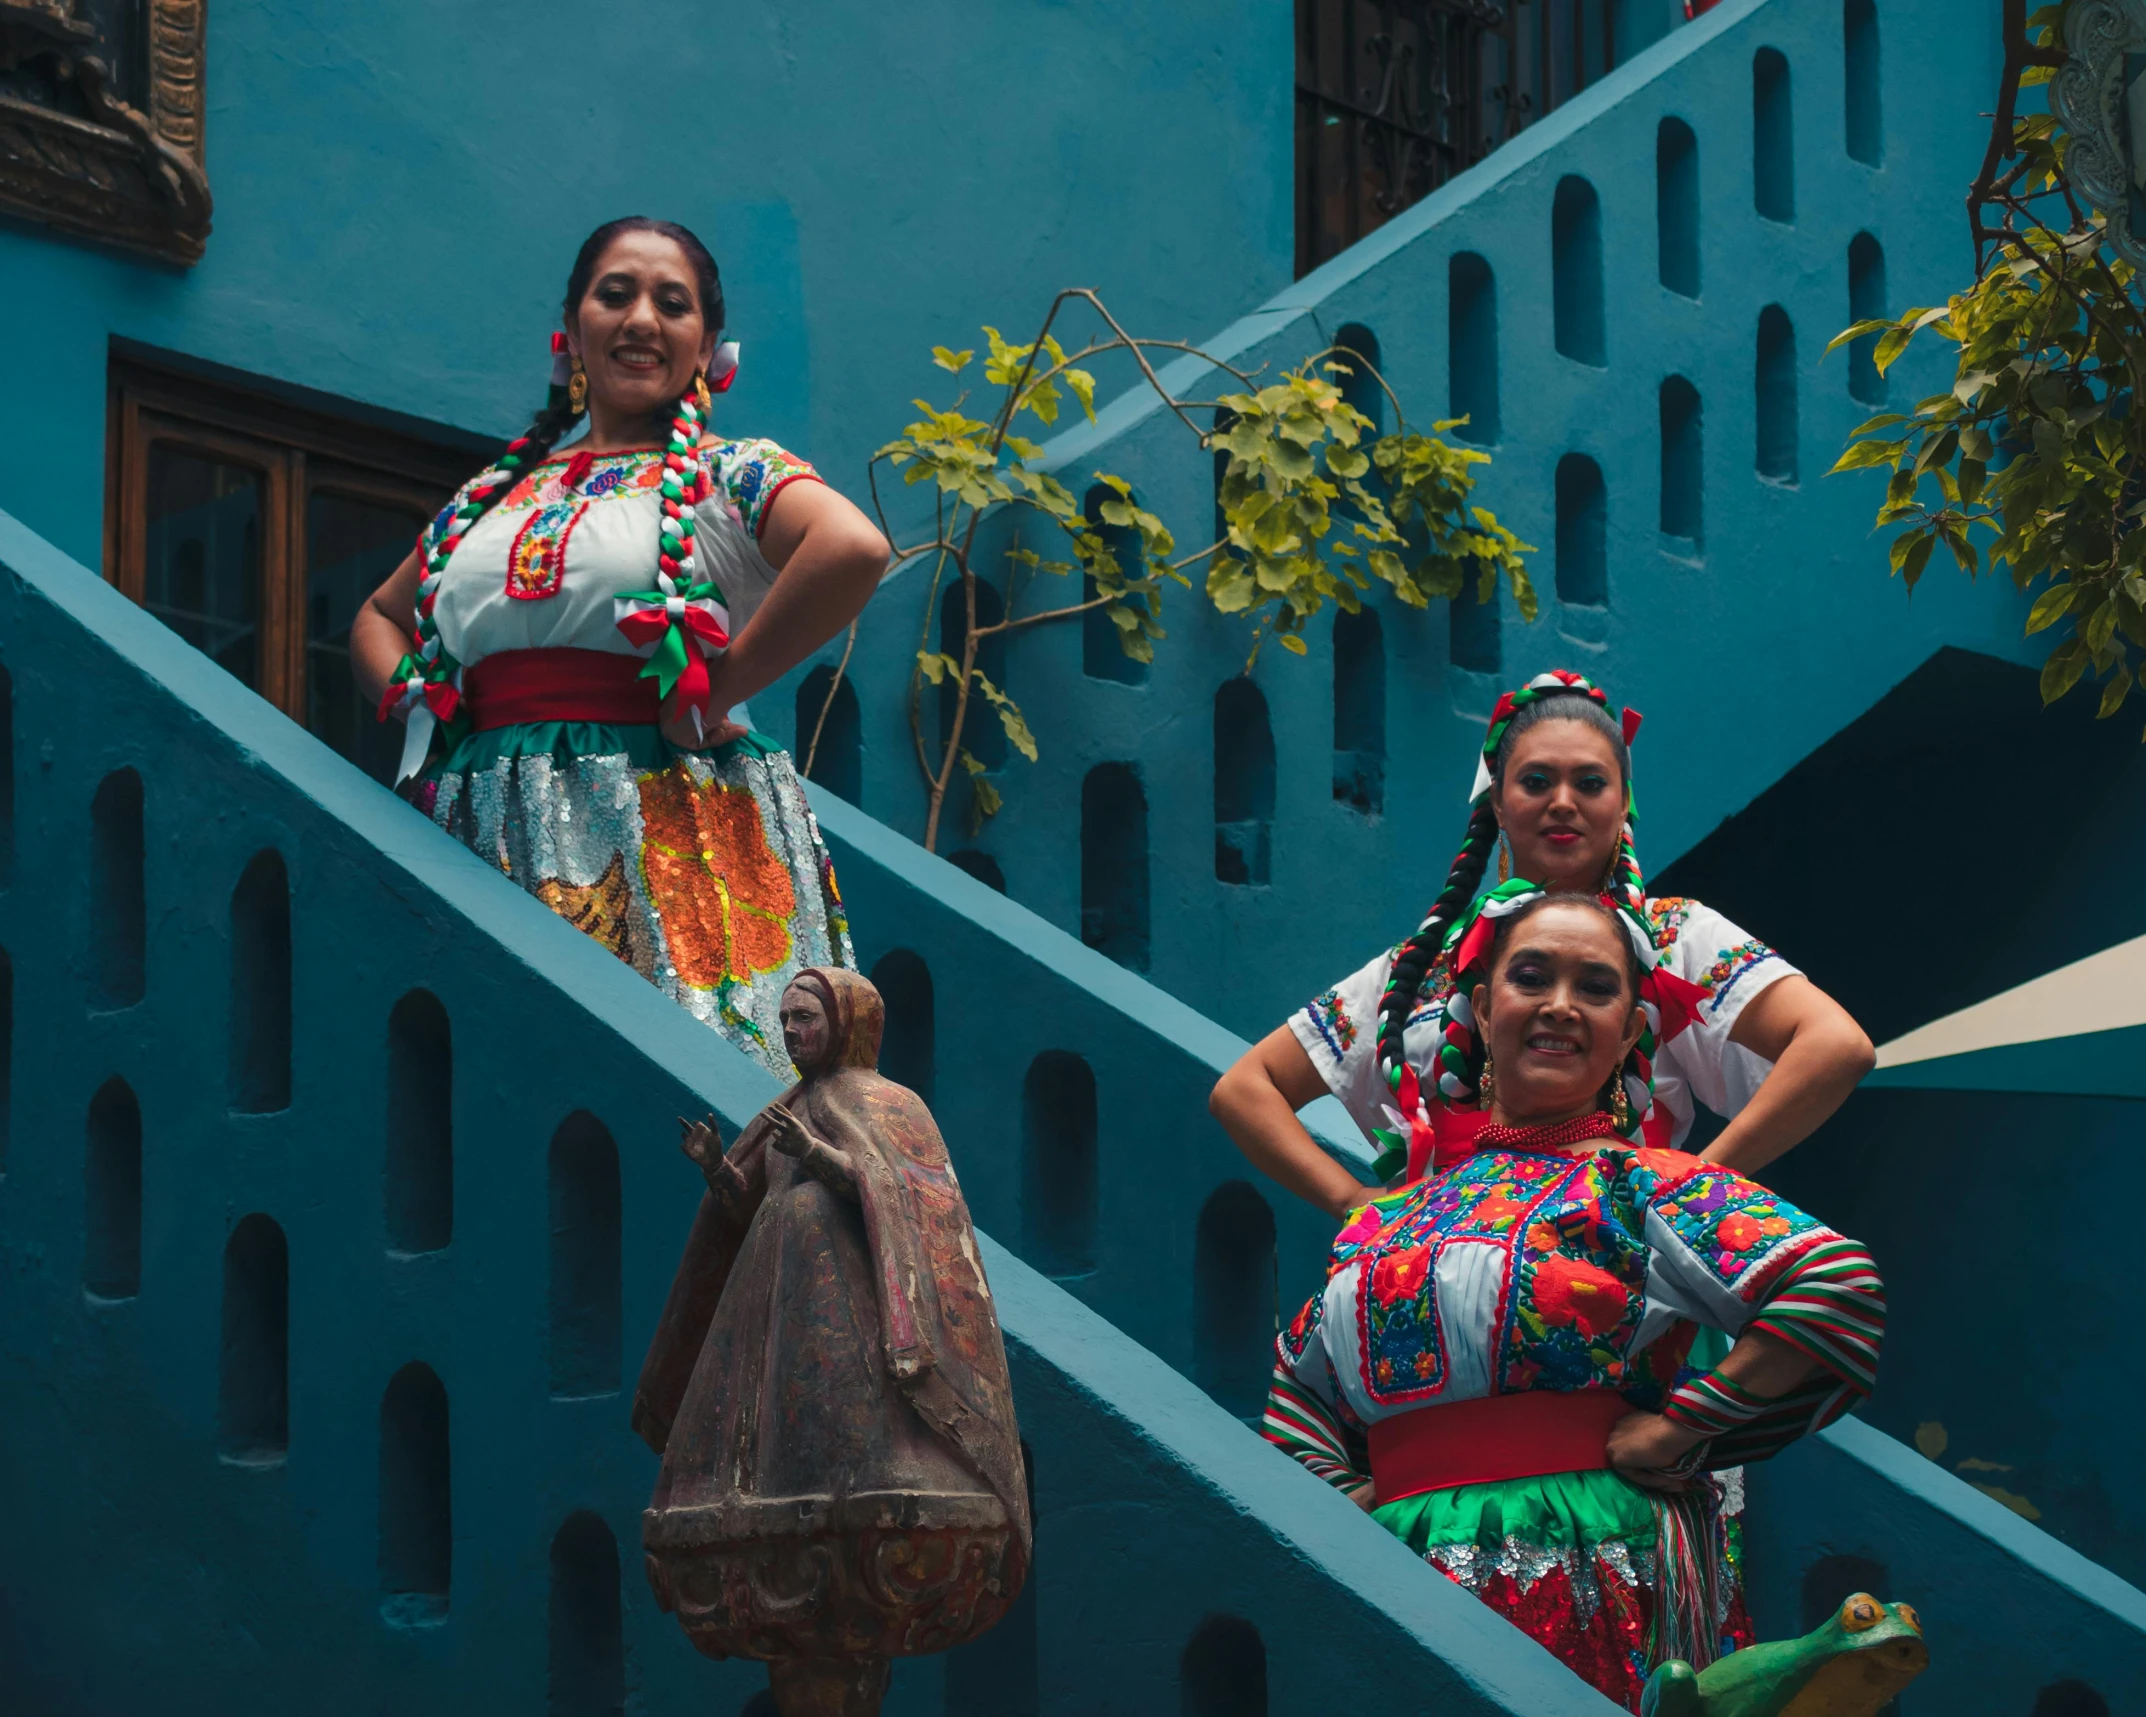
[[1553, 1137]]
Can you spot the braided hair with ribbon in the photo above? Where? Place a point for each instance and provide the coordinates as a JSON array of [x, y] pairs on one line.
[[427, 683], [1457, 929]]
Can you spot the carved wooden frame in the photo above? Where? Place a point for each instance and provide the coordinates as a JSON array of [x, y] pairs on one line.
[[125, 177]]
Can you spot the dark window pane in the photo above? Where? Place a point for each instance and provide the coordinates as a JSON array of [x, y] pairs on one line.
[[351, 547], [203, 572]]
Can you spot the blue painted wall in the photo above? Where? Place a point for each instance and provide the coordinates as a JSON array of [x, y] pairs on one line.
[[400, 189], [1779, 631]]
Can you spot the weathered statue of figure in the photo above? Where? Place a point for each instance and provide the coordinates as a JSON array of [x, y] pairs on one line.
[[841, 1480]]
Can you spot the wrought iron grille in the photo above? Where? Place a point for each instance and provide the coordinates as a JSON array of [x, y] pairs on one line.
[[1396, 96]]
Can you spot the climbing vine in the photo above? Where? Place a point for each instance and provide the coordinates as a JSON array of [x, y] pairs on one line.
[[2034, 454], [1313, 506]]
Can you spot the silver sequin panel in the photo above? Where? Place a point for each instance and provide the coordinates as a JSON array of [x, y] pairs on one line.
[[572, 834]]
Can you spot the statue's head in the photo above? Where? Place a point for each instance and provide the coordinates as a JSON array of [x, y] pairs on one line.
[[831, 1018]]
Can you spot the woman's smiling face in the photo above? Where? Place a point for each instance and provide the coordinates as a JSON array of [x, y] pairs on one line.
[[639, 329], [1561, 805], [1558, 1012]]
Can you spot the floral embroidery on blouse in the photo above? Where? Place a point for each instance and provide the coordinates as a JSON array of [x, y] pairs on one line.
[[1723, 974], [753, 473], [1336, 1029], [607, 475], [1666, 917]]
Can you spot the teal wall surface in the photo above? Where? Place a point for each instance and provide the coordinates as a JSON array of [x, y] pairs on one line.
[[400, 189], [1744, 652]]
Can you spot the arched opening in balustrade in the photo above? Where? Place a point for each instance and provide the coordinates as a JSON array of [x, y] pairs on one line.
[[1472, 348], [118, 916], [416, 1529], [1059, 1199], [982, 736], [1773, 154], [908, 1049], [1234, 1298], [587, 1624], [7, 1053], [1244, 784], [838, 757], [253, 1397], [1866, 300], [1359, 711], [981, 865], [1866, 113], [1360, 387], [261, 987], [1101, 657], [997, 1674], [1475, 630], [418, 1176], [1582, 533], [1831, 1581], [1775, 384], [1676, 206], [1114, 864], [1683, 465], [112, 1194], [2067, 1698], [1223, 1670], [7, 778], [584, 1259], [1576, 271]]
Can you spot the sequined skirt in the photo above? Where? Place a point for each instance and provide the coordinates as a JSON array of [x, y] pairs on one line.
[[705, 872], [1569, 1559]]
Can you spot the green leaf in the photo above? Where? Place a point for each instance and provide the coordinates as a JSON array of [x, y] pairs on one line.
[[1291, 642], [2114, 693], [1861, 455], [937, 668], [2061, 672], [2049, 607], [950, 361]]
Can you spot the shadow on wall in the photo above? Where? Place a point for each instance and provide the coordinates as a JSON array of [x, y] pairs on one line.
[[1223, 1671], [1910, 816]]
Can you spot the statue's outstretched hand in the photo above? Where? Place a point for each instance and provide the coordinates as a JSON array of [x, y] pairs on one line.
[[787, 1133], [700, 1141]]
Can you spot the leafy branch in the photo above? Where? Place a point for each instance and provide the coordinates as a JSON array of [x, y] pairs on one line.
[[2036, 448], [1313, 505]]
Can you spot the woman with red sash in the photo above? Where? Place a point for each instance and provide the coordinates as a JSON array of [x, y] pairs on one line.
[[1729, 1022], [1499, 1368], [573, 629]]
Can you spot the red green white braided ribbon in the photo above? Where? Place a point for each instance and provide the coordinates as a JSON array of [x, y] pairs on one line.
[[683, 622]]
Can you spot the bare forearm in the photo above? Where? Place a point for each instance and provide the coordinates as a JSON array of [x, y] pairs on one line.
[[377, 647], [1259, 1118], [1766, 1365], [1812, 1078]]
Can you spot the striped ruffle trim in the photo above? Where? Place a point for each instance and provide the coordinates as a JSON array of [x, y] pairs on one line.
[[1299, 1424], [1830, 1305]]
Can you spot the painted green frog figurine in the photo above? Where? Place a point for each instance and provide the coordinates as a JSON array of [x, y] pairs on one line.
[[1850, 1667]]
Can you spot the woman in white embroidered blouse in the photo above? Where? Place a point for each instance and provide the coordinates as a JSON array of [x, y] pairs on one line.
[[568, 638], [1732, 1024]]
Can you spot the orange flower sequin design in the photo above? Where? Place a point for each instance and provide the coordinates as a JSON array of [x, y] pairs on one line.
[[725, 896]]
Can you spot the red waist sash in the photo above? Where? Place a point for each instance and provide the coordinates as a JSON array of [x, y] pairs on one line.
[[1498, 1437], [560, 684]]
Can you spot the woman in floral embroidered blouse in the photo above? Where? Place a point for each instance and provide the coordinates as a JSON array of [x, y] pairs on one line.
[[1732, 1024], [1501, 1366], [567, 640]]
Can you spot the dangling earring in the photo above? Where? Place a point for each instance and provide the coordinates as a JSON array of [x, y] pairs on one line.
[[577, 388], [1620, 1104], [701, 393], [1486, 1086], [1505, 861]]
